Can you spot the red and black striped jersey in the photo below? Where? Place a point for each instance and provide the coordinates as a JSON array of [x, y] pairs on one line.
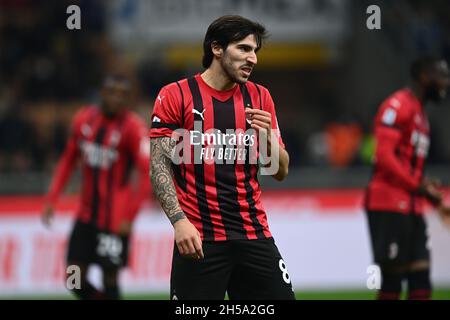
[[108, 149], [221, 198], [402, 142]]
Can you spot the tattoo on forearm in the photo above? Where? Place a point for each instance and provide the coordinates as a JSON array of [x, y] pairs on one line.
[[177, 216], [161, 177]]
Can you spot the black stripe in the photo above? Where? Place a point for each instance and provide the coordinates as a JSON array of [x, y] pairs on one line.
[[177, 174], [260, 97], [182, 104], [196, 98], [413, 169], [127, 172], [110, 182], [249, 192], [199, 171], [109, 196], [95, 179], [226, 180], [246, 96], [182, 166], [157, 125]]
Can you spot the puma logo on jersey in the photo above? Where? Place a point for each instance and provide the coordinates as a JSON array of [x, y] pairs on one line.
[[156, 119], [395, 103], [195, 111], [160, 99]]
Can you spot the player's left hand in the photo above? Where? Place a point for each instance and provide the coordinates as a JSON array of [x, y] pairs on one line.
[[47, 215], [434, 182], [125, 228], [429, 190]]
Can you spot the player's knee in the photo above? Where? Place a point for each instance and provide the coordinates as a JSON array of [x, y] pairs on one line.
[[419, 266]]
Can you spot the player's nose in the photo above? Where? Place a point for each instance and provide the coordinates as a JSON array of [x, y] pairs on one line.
[[251, 58]]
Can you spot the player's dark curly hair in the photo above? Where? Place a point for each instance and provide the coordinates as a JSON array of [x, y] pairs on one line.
[[227, 29]]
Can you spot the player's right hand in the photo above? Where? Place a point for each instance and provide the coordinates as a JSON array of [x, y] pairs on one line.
[[444, 213], [47, 215], [188, 240]]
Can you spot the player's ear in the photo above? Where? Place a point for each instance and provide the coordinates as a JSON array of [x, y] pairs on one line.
[[424, 78], [217, 49]]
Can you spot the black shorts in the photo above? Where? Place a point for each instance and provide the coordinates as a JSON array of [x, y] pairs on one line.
[[88, 245], [245, 269], [398, 239]]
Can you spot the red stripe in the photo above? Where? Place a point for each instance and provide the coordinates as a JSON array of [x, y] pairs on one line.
[[419, 294], [190, 207], [388, 295], [210, 178]]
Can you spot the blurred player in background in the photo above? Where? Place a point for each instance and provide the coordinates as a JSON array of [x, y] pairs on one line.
[[223, 242], [108, 140], [398, 189]]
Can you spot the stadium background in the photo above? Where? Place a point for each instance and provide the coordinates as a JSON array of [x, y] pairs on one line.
[[327, 74]]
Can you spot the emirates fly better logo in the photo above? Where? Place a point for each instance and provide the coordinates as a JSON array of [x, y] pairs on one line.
[[230, 147]]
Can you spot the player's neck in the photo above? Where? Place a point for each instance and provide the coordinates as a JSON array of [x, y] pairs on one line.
[[418, 92], [216, 78], [110, 115]]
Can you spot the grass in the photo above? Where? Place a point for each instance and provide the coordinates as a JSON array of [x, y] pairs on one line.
[[438, 294]]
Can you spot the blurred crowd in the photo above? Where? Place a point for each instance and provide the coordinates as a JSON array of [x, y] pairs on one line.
[[47, 72]]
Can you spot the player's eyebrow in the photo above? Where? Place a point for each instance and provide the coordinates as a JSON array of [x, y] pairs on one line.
[[247, 47]]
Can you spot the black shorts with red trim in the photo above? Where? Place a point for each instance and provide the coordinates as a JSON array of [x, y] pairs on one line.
[[397, 239], [88, 245], [245, 269]]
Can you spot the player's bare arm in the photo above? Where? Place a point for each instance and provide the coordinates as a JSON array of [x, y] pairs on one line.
[[187, 236], [261, 121]]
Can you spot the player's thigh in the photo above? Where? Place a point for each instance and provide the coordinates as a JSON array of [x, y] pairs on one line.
[[390, 234], [203, 279], [261, 272], [420, 251], [111, 251], [81, 247]]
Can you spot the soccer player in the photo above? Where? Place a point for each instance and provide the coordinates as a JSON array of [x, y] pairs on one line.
[[222, 239], [108, 140], [398, 189]]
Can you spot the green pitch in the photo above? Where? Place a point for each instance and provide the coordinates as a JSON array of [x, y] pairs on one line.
[[438, 294]]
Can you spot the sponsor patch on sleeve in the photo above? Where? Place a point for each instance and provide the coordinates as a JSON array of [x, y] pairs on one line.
[[389, 117]]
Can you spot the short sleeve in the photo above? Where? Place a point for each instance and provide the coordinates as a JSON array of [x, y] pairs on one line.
[[269, 106], [138, 141], [166, 116], [394, 113]]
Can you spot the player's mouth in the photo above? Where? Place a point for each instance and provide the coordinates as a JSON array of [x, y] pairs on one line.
[[247, 71]]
